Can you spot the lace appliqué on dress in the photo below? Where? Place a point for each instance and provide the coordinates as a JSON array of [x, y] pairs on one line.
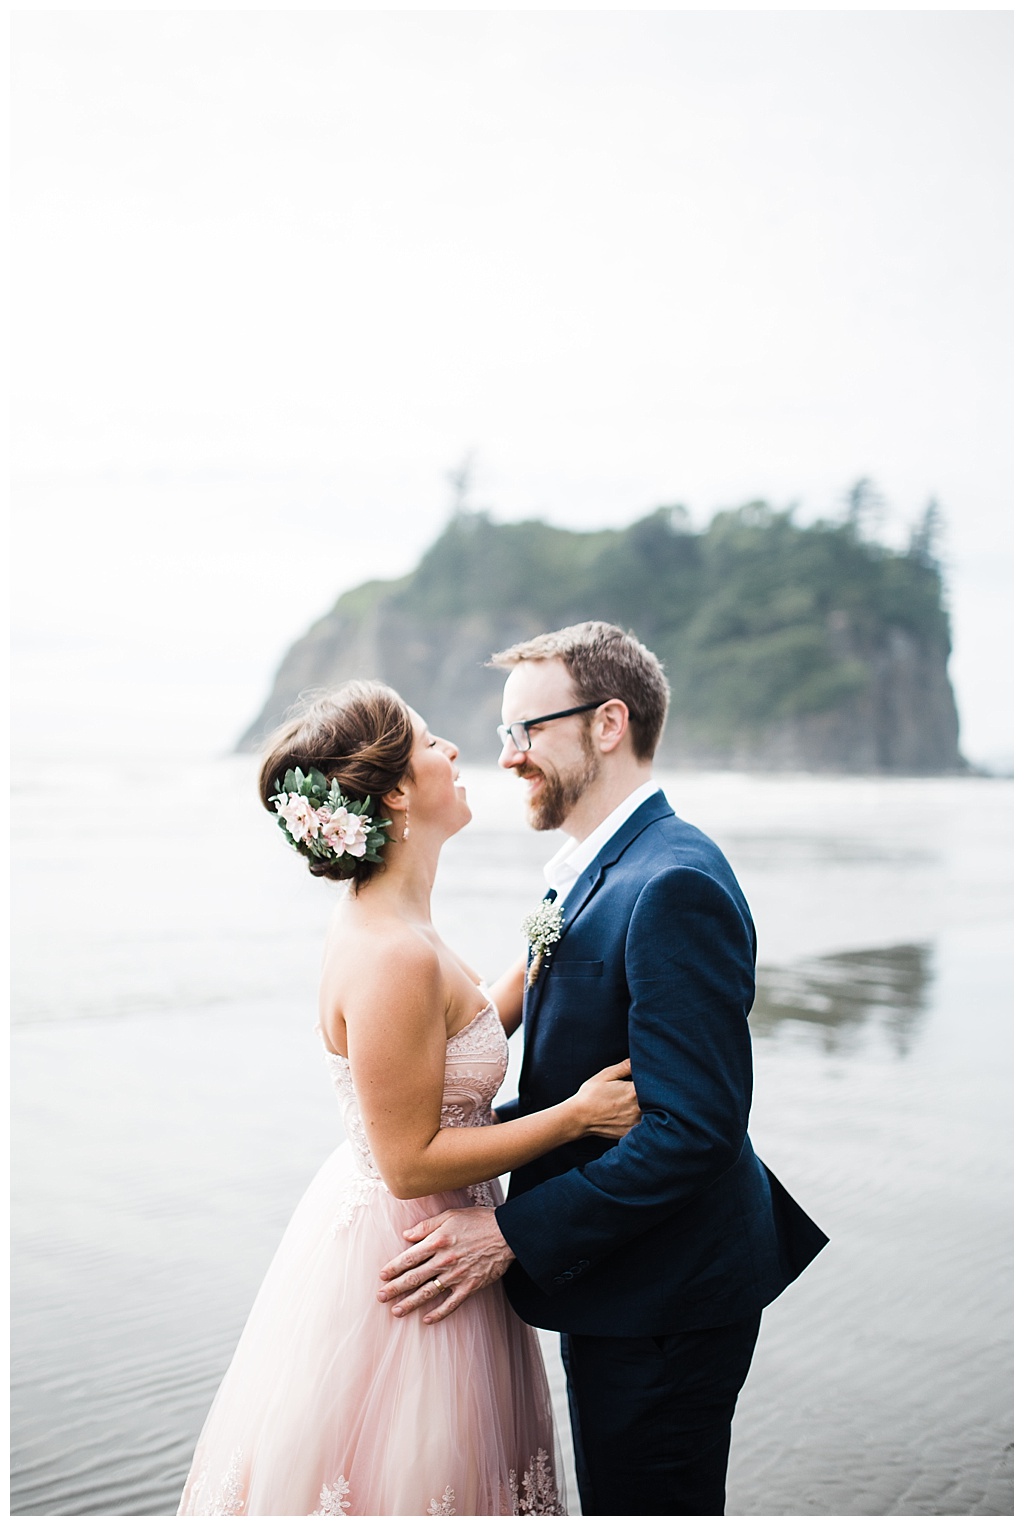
[[341, 1076], [359, 1191], [537, 1495], [333, 1501], [539, 1492], [467, 1101], [470, 1039], [229, 1499], [469, 1094], [452, 1114], [468, 1090]]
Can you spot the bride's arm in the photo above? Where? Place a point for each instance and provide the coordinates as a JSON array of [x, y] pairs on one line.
[[507, 995], [394, 1019]]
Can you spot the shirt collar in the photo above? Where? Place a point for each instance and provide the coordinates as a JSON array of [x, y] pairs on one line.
[[562, 871]]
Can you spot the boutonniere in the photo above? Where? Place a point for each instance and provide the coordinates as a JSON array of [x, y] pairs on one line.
[[542, 929]]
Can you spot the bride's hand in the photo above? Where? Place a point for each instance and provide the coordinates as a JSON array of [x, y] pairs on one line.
[[607, 1102]]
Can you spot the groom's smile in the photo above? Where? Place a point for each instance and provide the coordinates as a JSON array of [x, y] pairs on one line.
[[560, 763]]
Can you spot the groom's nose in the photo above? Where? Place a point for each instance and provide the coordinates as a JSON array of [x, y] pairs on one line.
[[510, 755]]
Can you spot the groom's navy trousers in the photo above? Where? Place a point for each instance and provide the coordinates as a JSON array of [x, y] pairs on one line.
[[652, 1417], [656, 1253]]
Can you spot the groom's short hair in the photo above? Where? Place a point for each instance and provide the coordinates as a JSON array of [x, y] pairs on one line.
[[604, 662]]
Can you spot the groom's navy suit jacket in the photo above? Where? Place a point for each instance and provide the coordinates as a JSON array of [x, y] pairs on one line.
[[678, 1225]]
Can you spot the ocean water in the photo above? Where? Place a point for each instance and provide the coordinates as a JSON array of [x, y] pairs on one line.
[[170, 1105]]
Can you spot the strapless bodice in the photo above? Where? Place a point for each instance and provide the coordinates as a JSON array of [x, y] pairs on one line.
[[475, 1064]]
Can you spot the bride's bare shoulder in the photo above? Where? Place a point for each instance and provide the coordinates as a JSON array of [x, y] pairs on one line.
[[381, 981], [360, 949]]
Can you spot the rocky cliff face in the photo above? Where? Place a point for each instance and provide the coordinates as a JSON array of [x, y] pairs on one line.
[[438, 666], [904, 721], [865, 695]]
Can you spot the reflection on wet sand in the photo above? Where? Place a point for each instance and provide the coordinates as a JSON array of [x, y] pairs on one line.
[[846, 997]]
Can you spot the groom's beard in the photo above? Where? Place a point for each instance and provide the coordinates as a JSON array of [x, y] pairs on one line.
[[552, 801]]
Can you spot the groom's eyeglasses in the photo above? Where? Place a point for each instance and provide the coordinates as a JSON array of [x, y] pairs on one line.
[[518, 733]]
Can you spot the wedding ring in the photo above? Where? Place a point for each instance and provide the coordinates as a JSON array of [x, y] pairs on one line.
[[439, 1285]]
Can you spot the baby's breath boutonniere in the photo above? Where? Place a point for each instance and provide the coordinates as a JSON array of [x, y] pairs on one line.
[[542, 929]]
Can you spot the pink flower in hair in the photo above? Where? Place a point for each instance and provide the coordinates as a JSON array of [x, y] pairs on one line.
[[299, 817], [345, 831]]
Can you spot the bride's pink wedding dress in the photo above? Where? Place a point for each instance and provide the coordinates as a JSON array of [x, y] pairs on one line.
[[331, 1405]]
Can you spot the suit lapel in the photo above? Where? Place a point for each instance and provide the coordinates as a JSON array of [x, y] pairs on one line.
[[651, 810]]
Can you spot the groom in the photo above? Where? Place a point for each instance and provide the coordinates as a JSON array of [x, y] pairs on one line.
[[654, 1254]]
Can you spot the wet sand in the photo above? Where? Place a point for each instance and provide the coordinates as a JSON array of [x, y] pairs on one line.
[[160, 1146]]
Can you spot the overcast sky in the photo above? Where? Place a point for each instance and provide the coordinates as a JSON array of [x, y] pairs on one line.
[[286, 268]]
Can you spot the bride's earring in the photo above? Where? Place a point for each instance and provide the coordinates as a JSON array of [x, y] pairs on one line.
[[405, 829]]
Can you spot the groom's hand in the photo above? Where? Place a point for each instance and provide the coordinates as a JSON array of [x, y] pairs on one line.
[[462, 1249]]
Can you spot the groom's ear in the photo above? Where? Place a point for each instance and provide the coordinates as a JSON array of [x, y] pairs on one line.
[[611, 725]]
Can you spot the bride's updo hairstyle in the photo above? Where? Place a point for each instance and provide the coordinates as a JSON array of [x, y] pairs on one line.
[[362, 735]]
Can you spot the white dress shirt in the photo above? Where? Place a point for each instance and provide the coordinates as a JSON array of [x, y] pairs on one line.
[[562, 871]]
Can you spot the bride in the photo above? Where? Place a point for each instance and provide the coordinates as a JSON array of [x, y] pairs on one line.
[[331, 1406]]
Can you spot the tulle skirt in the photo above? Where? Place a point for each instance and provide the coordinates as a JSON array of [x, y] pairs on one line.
[[332, 1406]]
